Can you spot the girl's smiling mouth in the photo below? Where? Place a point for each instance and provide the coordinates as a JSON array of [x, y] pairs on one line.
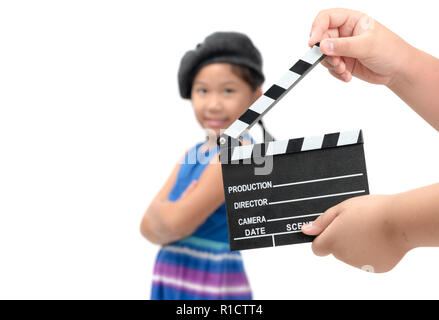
[[216, 123]]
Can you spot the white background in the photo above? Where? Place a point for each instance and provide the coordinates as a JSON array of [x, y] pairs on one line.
[[91, 124]]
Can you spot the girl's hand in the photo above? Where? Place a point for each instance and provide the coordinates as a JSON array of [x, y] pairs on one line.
[[189, 189], [361, 232], [357, 45]]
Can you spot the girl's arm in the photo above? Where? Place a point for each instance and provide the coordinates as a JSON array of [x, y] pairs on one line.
[[150, 226], [167, 221]]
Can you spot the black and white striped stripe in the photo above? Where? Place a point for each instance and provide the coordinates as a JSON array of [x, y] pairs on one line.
[[277, 91], [297, 145]]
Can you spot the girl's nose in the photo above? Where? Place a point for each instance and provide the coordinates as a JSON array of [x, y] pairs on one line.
[[214, 103]]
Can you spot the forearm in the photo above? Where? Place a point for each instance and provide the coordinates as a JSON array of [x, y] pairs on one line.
[[181, 218], [147, 230], [159, 223], [167, 221], [417, 83], [416, 217]]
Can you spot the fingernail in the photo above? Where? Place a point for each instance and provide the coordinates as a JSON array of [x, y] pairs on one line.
[[328, 45], [307, 227]]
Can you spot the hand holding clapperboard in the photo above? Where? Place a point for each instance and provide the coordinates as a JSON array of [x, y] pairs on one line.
[[273, 189]]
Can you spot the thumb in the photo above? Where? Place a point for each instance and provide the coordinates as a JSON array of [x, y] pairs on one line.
[[321, 223], [353, 47]]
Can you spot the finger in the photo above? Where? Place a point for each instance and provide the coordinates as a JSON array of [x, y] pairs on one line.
[[345, 76], [322, 245], [335, 75], [190, 188], [357, 26], [338, 72], [354, 47], [330, 19], [339, 67], [326, 64], [333, 61], [331, 33], [322, 222]]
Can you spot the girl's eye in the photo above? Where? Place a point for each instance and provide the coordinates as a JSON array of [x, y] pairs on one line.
[[229, 90], [201, 90]]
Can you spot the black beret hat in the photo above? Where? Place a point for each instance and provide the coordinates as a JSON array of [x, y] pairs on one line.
[[231, 47]]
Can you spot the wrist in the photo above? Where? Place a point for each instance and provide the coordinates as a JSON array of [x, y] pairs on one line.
[[398, 218], [407, 220], [406, 68]]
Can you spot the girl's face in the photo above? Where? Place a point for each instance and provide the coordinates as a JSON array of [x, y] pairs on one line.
[[219, 96]]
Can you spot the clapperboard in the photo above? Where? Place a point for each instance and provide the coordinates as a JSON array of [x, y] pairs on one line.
[[274, 188]]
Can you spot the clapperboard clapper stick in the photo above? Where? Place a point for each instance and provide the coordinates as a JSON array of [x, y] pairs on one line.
[[272, 189]]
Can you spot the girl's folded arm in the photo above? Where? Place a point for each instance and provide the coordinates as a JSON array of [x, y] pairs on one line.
[[196, 205], [199, 202], [154, 223], [167, 221]]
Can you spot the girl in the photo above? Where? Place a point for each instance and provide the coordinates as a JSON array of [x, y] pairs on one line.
[[222, 77]]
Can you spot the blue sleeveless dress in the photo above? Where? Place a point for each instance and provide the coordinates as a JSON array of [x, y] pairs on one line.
[[200, 266]]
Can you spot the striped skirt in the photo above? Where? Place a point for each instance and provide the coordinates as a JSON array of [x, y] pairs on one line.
[[195, 268]]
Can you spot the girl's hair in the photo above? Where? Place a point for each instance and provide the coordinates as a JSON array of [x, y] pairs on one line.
[[228, 47], [252, 78]]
